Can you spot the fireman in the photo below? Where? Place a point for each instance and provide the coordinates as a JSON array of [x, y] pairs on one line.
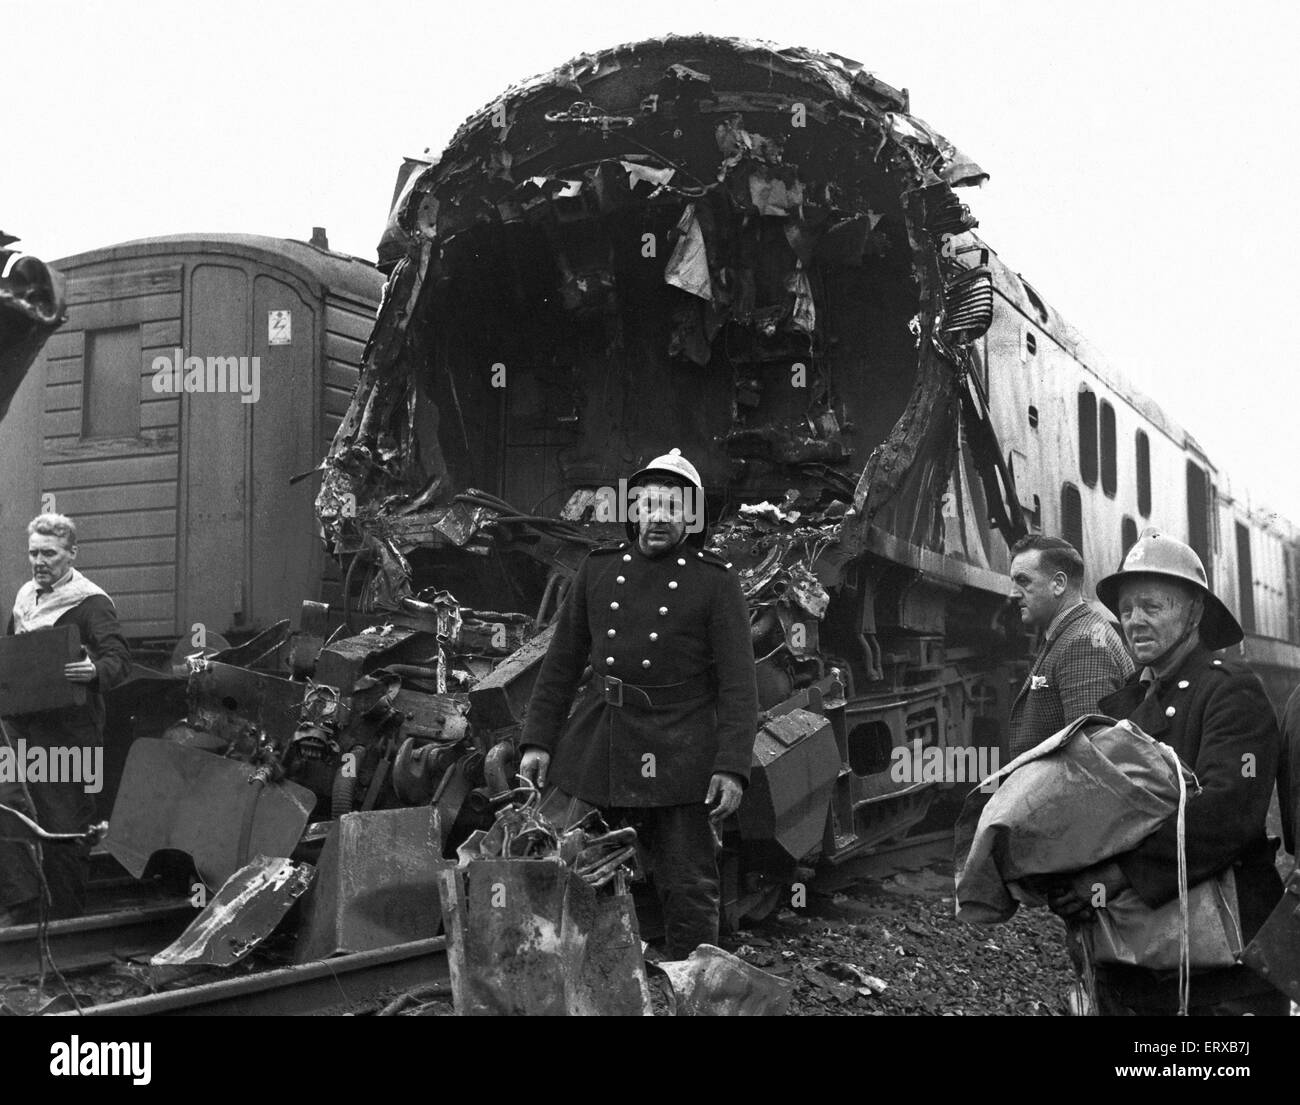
[[662, 736], [1213, 711]]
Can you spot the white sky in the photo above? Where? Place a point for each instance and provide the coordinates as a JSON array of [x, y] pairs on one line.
[[1142, 154]]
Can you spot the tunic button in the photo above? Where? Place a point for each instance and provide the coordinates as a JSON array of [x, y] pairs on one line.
[[621, 579], [672, 585], [654, 636], [700, 555], [1183, 684], [611, 632], [645, 663], [663, 610], [681, 562], [1170, 712], [613, 606], [609, 660], [627, 558], [1218, 663]]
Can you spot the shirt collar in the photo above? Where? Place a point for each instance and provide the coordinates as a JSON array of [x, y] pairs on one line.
[[60, 582]]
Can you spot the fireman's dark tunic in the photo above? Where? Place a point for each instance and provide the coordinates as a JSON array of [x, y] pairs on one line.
[[676, 624], [1213, 711]]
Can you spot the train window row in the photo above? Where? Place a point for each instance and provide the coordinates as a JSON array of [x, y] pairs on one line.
[[1099, 450]]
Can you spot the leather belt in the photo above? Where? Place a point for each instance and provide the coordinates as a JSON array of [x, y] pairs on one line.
[[617, 693]]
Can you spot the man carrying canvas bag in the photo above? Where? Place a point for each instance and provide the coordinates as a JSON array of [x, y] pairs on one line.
[[1213, 712]]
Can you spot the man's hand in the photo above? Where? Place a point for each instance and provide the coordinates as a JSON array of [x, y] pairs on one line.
[[79, 671], [1079, 895], [534, 765], [724, 795]]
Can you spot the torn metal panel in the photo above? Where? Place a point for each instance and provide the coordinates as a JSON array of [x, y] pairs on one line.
[[219, 812], [525, 937], [247, 908], [375, 884]]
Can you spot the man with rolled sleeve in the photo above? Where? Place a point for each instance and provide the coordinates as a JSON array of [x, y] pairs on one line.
[[58, 594], [663, 735]]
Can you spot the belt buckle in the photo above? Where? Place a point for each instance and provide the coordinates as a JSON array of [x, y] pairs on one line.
[[613, 691]]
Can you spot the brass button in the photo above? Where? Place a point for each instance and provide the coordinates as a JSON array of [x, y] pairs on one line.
[[645, 663], [609, 660], [728, 563], [613, 606], [621, 579], [611, 632], [1218, 663], [627, 558], [663, 610], [1170, 712], [672, 585], [700, 555], [654, 636], [1183, 684], [681, 562]]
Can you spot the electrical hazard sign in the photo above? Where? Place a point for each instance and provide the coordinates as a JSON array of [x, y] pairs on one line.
[[279, 327]]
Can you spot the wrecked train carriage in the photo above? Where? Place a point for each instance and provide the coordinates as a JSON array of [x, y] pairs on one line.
[[32, 307], [755, 255]]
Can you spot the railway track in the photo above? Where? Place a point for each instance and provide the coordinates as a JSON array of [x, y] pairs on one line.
[[95, 941], [346, 983]]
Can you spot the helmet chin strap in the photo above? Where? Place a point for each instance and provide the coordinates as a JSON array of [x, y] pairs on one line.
[[1194, 612]]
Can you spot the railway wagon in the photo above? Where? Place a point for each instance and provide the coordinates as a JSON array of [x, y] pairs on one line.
[[180, 483]]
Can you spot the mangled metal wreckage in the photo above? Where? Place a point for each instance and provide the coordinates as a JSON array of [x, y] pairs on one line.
[[755, 255]]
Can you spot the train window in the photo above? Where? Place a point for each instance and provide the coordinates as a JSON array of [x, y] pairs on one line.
[[1033, 418], [1292, 560], [1198, 514], [1144, 474], [110, 396], [1128, 535], [1072, 516], [1109, 473], [1031, 343], [1088, 437], [1035, 299], [1245, 580]]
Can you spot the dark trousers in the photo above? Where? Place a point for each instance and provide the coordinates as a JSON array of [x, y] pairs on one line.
[[684, 866], [62, 807], [1114, 1003]]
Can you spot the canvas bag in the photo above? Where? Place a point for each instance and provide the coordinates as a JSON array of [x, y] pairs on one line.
[[1130, 932], [1093, 790], [1199, 930]]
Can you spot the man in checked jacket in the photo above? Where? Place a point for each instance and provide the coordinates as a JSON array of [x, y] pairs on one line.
[[1081, 659], [663, 735]]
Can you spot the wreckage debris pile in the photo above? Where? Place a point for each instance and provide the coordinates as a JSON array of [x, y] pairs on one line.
[[894, 948]]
